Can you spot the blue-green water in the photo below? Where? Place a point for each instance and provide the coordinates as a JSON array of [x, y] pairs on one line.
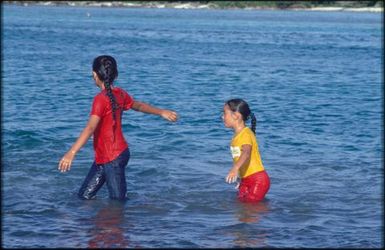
[[313, 79]]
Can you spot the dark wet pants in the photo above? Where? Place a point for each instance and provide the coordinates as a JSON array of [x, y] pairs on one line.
[[113, 173]]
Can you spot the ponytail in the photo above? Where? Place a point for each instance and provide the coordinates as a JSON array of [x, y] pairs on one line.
[[110, 95], [253, 122], [106, 69]]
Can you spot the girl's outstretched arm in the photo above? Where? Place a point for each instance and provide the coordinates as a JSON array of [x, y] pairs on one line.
[[245, 157], [169, 115], [66, 161]]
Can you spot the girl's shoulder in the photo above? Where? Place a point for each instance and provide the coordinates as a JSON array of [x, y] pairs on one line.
[[249, 131], [120, 90], [245, 133], [100, 95], [114, 90], [100, 99]]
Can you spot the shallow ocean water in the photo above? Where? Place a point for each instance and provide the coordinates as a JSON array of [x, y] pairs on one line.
[[313, 79]]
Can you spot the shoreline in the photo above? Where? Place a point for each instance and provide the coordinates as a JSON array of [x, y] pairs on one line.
[[181, 5]]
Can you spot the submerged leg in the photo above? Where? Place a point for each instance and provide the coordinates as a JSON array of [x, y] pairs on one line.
[[116, 176], [92, 183]]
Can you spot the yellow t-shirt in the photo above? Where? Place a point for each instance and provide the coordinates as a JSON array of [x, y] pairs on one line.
[[246, 136]]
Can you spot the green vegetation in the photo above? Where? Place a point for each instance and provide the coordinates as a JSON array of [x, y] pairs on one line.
[[220, 4], [273, 4], [292, 4]]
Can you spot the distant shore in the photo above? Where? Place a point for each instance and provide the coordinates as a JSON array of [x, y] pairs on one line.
[[188, 5]]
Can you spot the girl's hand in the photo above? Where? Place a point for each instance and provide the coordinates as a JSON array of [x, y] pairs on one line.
[[169, 115], [232, 176], [66, 161]]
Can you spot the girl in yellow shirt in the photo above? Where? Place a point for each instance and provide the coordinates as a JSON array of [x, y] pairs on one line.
[[255, 182]]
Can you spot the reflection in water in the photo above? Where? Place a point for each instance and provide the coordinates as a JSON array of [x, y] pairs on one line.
[[250, 213], [108, 231]]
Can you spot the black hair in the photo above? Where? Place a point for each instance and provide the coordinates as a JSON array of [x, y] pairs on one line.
[[239, 105], [107, 70]]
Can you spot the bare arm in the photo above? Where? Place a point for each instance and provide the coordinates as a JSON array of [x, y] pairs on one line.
[[147, 108], [245, 157], [66, 161]]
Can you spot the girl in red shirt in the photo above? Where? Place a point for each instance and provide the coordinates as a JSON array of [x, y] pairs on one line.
[[111, 149]]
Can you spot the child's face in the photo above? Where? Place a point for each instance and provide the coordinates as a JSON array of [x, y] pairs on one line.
[[228, 117], [98, 83]]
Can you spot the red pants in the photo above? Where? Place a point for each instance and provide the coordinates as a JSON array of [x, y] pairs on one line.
[[253, 188]]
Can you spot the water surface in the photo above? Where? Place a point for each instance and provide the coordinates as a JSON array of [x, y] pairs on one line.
[[313, 79]]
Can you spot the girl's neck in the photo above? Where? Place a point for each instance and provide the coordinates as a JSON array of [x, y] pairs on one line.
[[103, 88], [238, 128]]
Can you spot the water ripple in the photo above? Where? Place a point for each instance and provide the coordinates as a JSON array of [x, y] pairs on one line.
[[312, 79]]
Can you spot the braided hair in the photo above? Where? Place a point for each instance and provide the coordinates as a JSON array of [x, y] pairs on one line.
[[107, 70], [239, 105]]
